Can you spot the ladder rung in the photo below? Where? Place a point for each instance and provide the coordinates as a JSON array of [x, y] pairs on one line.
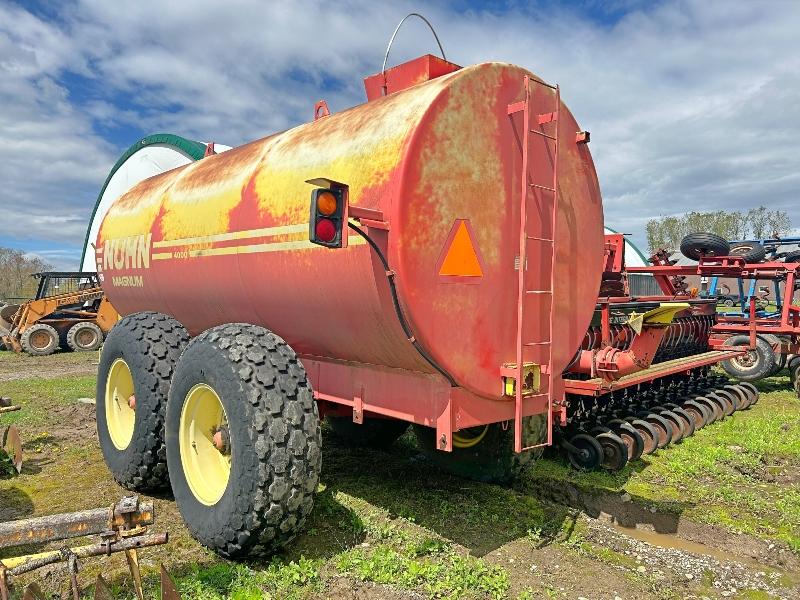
[[543, 134], [538, 291], [542, 187], [540, 239], [547, 343]]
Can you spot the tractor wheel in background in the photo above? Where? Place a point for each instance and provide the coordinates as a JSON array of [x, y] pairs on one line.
[[489, 453], [780, 359], [84, 337], [589, 455], [696, 245], [751, 252], [244, 442], [133, 380], [792, 257], [39, 340], [792, 363], [728, 302], [797, 381], [752, 366], [374, 432]]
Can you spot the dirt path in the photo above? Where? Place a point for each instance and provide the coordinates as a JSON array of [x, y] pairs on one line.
[[21, 366]]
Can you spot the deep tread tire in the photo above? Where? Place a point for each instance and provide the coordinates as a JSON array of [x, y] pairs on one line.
[[696, 245], [275, 436], [493, 459], [75, 332], [372, 433], [36, 332], [792, 257], [751, 252], [758, 363], [150, 343]]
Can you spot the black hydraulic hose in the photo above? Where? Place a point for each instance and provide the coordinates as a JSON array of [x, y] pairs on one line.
[[398, 309]]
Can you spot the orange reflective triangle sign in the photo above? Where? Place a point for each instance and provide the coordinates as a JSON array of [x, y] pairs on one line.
[[461, 259]]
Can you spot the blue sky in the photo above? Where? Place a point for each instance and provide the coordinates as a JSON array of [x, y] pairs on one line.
[[692, 105]]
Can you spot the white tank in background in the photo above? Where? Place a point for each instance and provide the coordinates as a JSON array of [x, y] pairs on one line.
[[149, 156]]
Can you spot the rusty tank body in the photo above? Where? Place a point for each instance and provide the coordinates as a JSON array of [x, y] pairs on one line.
[[474, 250], [226, 239]]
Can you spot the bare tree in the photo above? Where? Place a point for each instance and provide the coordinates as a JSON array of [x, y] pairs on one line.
[[15, 273], [760, 223]]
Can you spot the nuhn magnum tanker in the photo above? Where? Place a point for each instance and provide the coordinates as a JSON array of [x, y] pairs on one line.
[[432, 256]]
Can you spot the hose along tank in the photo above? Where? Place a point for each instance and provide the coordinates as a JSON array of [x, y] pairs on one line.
[[226, 239]]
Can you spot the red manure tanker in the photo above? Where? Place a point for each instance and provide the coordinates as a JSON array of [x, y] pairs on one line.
[[434, 256]]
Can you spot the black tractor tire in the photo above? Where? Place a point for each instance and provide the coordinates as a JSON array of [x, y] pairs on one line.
[[780, 359], [751, 252], [696, 245], [84, 337], [754, 365], [793, 364], [491, 460], [372, 433], [150, 344], [274, 435], [39, 340], [729, 302], [792, 257]]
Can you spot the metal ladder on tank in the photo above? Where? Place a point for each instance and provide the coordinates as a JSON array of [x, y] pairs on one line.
[[540, 299]]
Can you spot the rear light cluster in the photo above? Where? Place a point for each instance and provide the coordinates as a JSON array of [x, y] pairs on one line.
[[327, 217]]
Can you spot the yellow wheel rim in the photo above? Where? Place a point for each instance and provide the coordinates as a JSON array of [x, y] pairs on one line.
[[120, 412], [206, 466], [467, 438]]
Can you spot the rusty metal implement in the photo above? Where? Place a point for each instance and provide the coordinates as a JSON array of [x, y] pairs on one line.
[[10, 441], [119, 528]]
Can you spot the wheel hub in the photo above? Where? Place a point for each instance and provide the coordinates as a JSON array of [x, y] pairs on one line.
[[205, 444], [120, 411]]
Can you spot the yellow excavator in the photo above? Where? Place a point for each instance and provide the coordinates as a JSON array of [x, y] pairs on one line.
[[69, 311]]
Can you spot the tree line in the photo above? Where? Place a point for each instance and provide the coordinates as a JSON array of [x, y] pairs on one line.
[[757, 223], [15, 274]]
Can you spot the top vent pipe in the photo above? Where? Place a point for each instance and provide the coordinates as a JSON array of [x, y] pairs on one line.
[[394, 35]]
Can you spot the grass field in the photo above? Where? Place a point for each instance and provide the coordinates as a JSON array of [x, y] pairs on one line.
[[718, 512]]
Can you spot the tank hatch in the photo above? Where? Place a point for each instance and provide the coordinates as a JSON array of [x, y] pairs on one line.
[[406, 75]]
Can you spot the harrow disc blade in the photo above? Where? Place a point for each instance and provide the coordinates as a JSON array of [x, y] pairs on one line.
[[752, 389], [648, 433], [615, 452], [589, 455], [662, 427], [678, 430], [729, 401], [739, 396], [632, 438]]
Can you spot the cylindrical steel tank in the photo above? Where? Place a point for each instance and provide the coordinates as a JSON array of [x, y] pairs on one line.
[[225, 239]]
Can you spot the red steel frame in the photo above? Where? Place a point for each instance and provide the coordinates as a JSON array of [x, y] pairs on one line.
[[787, 324]]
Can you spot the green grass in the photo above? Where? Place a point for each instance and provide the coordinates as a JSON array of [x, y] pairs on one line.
[[390, 519], [727, 474], [38, 395]]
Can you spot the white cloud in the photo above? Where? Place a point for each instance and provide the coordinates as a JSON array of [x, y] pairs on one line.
[[691, 104]]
